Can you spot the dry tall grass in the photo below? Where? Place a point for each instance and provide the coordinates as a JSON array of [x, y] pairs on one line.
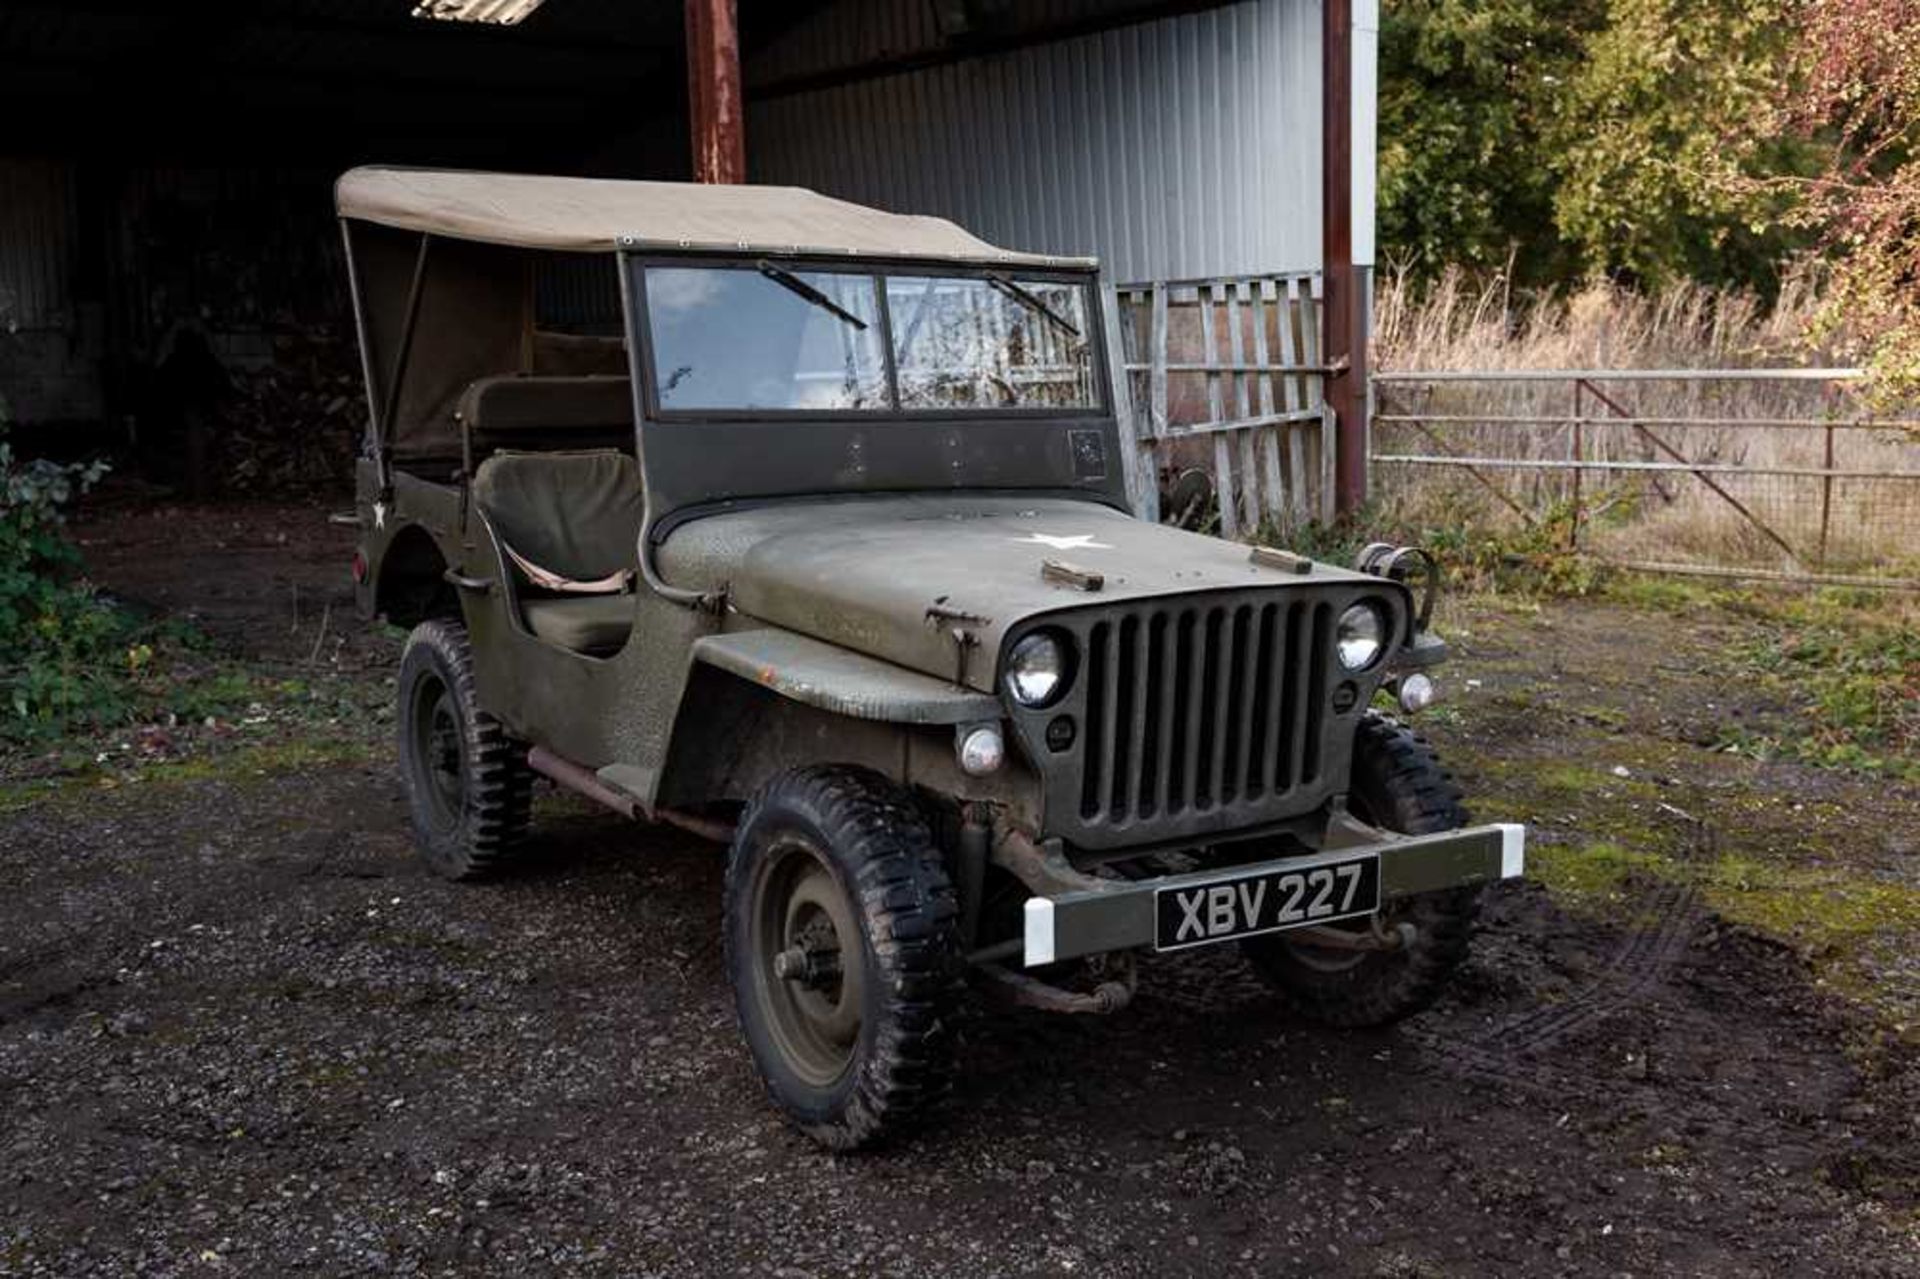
[[1845, 524]]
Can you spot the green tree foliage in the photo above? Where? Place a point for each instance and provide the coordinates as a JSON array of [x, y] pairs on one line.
[[1587, 136], [1468, 93], [1672, 110]]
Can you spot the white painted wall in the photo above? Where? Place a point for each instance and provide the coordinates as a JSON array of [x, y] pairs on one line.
[[1366, 121]]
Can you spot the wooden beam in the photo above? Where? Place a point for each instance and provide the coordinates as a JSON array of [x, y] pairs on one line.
[[1346, 389], [713, 92]]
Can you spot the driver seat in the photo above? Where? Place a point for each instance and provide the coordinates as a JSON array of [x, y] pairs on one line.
[[569, 525]]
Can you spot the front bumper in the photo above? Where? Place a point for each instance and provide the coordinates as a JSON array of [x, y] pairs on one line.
[[1096, 920]]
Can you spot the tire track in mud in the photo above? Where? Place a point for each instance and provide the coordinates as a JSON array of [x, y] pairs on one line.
[[1640, 965], [1518, 1052]]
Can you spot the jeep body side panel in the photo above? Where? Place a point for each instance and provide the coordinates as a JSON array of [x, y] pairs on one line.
[[592, 710]]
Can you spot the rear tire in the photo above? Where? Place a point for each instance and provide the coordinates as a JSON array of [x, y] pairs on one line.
[[468, 784], [1397, 784], [843, 950]]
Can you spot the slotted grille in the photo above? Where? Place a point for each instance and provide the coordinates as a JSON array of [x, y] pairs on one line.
[[1198, 708]]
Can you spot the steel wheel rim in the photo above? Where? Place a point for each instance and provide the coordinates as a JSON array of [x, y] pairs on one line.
[[798, 904], [440, 750]]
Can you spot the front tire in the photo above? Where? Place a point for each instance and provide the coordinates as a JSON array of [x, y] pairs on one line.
[[1398, 784], [843, 952], [468, 784]]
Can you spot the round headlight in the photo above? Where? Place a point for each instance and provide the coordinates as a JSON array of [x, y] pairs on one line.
[[1362, 632], [1037, 670]]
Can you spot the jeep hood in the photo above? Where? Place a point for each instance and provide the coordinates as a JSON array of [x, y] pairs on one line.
[[894, 577]]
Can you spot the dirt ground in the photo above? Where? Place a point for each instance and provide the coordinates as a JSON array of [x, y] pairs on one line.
[[243, 1030]]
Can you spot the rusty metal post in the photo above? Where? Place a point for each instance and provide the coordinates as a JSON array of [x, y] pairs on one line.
[[1345, 353], [1826, 491], [1573, 530], [713, 92]]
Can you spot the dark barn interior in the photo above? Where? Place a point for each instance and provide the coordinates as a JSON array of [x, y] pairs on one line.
[[174, 287]]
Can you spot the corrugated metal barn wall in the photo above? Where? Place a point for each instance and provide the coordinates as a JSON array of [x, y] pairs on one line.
[[36, 252], [1178, 148], [48, 344]]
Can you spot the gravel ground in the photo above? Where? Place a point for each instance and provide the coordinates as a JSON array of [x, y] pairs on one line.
[[240, 1027], [242, 1030]]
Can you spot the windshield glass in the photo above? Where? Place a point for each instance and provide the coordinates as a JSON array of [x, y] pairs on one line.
[[990, 343], [766, 337]]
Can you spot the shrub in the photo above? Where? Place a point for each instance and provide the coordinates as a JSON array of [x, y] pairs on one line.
[[64, 652]]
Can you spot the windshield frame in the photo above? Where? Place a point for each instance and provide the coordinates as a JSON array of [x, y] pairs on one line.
[[633, 266]]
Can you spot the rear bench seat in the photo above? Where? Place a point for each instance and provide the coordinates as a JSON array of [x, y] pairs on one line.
[[527, 412], [570, 525]]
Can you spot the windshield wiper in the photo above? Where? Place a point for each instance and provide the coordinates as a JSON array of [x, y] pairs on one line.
[[794, 284], [1028, 300]]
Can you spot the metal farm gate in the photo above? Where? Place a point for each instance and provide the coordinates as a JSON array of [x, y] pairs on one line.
[[1225, 376], [1745, 473]]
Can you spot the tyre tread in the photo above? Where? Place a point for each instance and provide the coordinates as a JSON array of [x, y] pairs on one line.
[[499, 782], [1421, 798], [899, 880]]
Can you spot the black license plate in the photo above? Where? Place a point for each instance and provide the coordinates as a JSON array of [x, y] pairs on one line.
[[1267, 901]]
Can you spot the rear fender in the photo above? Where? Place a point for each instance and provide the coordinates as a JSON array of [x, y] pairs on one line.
[[407, 577]]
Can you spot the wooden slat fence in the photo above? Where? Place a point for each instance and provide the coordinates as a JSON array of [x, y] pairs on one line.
[[1227, 374]]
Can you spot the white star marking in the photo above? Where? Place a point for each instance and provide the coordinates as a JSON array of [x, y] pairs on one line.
[[379, 514], [1078, 542]]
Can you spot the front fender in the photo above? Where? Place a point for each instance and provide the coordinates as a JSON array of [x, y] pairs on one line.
[[760, 702], [833, 679]]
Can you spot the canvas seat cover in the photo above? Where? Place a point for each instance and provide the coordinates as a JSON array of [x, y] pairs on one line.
[[571, 521], [589, 624]]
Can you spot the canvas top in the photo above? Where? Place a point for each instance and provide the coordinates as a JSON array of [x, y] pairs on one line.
[[604, 215]]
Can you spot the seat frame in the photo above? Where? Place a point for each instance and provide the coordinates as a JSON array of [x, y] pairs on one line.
[[514, 567]]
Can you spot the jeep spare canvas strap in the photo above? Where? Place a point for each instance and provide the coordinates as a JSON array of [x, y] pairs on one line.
[[549, 580]]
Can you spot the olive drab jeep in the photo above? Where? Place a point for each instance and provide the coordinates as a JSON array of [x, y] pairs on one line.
[[805, 527]]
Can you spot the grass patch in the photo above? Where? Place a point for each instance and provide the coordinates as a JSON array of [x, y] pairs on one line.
[[1857, 931], [1854, 928], [1661, 594], [1597, 876], [1845, 662], [1583, 779], [1818, 908], [1853, 672], [219, 761], [76, 664], [137, 673]]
